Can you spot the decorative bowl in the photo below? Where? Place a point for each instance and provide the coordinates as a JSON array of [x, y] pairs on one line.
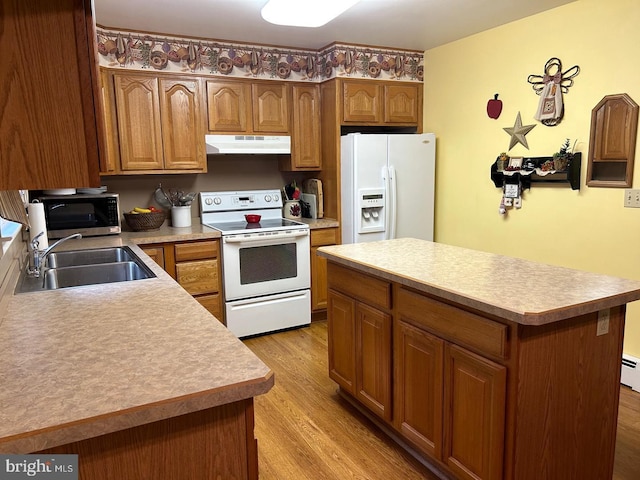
[[252, 218]]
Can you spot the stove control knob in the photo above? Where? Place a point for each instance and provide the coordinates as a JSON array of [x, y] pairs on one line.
[[276, 198], [217, 200], [208, 200], [267, 198]]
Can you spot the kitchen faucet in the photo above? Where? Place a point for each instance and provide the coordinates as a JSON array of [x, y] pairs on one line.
[[37, 257]]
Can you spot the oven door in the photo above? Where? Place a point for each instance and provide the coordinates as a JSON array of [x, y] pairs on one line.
[[263, 264]]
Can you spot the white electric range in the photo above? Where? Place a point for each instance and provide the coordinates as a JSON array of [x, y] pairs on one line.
[[265, 265]]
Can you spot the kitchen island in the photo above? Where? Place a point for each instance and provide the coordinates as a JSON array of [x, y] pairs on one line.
[[136, 377], [483, 366]]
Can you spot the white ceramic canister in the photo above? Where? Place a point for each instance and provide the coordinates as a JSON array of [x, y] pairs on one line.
[[181, 216], [292, 209]]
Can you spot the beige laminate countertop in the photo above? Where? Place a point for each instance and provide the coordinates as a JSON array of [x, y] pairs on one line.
[[522, 291], [80, 362]]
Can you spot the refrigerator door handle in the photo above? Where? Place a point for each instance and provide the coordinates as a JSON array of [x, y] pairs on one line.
[[387, 189], [393, 213]]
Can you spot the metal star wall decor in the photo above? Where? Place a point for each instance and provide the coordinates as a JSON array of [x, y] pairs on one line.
[[518, 132]]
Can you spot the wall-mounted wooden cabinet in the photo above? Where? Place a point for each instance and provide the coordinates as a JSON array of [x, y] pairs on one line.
[[236, 106], [160, 124], [381, 103], [50, 102], [612, 142], [305, 130], [196, 267]]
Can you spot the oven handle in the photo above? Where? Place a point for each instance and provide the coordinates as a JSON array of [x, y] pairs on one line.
[[262, 238]]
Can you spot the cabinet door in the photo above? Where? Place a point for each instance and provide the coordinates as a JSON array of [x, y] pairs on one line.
[[139, 126], [49, 95], [318, 281], [156, 253], [182, 124], [320, 237], [474, 399], [373, 359], [402, 103], [228, 106], [362, 102], [342, 340], [305, 131], [110, 161], [270, 106], [418, 358]]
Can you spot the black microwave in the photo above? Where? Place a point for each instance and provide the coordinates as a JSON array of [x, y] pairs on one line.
[[88, 214]]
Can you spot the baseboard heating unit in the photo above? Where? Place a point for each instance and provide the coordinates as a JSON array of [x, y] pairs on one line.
[[630, 375]]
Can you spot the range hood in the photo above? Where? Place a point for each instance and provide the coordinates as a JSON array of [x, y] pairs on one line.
[[248, 144]]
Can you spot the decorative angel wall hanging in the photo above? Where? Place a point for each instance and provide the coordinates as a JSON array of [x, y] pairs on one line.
[[550, 87]]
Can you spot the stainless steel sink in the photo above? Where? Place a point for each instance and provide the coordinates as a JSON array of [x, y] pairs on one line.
[[94, 274], [75, 268], [94, 256]]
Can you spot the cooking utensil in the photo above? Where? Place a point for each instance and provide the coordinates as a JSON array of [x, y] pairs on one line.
[[161, 197], [187, 199]]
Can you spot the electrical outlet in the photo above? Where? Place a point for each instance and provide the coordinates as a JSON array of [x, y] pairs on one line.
[[632, 198], [603, 323]]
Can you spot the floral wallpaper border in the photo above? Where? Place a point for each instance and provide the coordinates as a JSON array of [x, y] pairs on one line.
[[141, 51]]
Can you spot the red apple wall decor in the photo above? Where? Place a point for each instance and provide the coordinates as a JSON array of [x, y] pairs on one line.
[[494, 107]]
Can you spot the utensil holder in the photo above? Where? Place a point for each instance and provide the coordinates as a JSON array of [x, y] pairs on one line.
[[181, 216], [292, 209]]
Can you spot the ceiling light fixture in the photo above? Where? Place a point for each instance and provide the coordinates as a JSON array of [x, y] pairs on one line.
[[308, 13]]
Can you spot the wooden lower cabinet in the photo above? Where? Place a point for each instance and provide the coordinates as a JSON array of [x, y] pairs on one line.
[[474, 413], [217, 443], [319, 238], [418, 386], [195, 265], [476, 396], [373, 359]]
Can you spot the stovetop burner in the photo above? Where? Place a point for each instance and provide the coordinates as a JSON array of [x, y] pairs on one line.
[[225, 211], [267, 224]]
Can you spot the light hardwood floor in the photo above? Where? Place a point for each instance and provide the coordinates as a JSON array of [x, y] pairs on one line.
[[305, 430]]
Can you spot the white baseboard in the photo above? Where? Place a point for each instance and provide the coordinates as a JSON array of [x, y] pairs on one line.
[[630, 374]]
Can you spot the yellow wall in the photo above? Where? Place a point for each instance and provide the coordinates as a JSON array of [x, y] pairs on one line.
[[589, 229]]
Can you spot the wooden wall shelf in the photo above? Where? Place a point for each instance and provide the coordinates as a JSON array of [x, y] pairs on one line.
[[570, 176]]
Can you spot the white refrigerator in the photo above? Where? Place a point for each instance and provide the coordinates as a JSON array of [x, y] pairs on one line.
[[387, 184]]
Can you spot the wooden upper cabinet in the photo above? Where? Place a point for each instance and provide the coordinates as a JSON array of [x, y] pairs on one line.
[[160, 123], [50, 102], [362, 102], [139, 126], [612, 142], [382, 103], [228, 104], [110, 160], [182, 123], [305, 130], [403, 103], [270, 105], [247, 107]]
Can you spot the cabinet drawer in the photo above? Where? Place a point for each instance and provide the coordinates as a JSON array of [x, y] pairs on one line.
[[324, 236], [371, 290], [453, 324], [198, 277], [213, 303], [196, 250]]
